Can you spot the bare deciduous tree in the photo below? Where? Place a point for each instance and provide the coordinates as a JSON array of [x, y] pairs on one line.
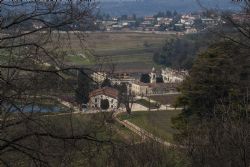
[[35, 39], [222, 140]]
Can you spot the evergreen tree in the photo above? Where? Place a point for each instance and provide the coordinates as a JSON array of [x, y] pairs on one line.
[[104, 104], [145, 78], [219, 75], [106, 83], [84, 86], [168, 14], [159, 80]]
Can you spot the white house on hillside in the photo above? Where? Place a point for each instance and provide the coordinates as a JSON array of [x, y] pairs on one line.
[[98, 95], [99, 77], [145, 89], [171, 79], [173, 76], [140, 88]]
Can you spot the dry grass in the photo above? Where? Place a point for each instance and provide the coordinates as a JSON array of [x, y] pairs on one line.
[[119, 47]]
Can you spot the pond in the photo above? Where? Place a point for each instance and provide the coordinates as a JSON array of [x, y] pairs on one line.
[[36, 108]]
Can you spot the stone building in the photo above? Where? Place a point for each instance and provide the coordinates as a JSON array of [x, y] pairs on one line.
[[153, 76], [173, 76], [171, 79], [99, 77], [145, 89], [96, 96]]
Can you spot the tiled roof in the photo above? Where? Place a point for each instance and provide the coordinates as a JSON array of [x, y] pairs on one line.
[[111, 92]]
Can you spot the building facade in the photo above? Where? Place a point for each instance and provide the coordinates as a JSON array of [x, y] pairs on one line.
[[96, 97], [146, 89], [153, 76], [173, 76], [171, 79], [99, 77], [140, 88]]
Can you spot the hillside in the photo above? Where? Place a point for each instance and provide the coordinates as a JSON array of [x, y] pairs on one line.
[[142, 8]]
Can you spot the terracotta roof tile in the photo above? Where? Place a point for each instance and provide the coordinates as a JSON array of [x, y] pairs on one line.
[[111, 92]]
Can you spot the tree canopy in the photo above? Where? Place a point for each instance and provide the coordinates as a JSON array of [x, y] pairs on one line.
[[104, 104], [215, 101], [181, 52], [106, 83], [145, 78], [217, 75], [84, 86]]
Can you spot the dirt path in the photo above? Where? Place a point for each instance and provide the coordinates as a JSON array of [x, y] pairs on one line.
[[141, 132]]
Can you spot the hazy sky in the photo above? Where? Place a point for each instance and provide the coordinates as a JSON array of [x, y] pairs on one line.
[[149, 7]]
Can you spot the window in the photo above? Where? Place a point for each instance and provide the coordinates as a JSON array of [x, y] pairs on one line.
[[96, 99]]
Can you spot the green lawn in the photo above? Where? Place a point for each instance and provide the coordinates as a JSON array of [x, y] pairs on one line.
[[78, 60], [147, 104], [165, 99], [155, 122]]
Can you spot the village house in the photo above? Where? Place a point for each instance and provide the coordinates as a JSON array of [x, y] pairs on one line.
[[210, 21], [121, 77], [115, 78], [241, 17], [173, 76], [96, 97], [140, 88], [145, 89], [166, 21], [99, 77], [187, 20], [171, 79]]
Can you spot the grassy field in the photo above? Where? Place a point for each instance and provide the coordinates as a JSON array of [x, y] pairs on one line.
[[96, 127], [165, 99], [116, 47], [100, 124], [155, 122], [147, 104], [127, 49]]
